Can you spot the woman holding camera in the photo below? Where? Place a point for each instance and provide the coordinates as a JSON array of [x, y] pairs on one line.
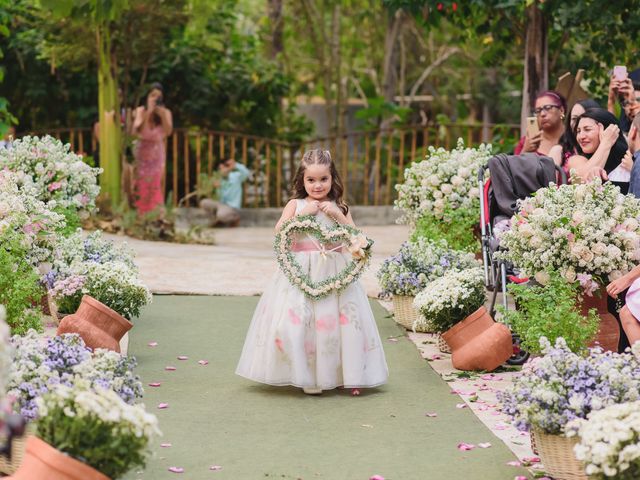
[[549, 109], [152, 123]]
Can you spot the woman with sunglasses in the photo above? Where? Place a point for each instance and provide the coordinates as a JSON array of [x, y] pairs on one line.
[[550, 108]]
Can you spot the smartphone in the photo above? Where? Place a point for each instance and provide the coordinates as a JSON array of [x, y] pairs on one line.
[[532, 127], [620, 72], [159, 102]]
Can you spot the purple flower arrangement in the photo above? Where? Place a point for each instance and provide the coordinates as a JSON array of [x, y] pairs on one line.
[[39, 365], [562, 386]]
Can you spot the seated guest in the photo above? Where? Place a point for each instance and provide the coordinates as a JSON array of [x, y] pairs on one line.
[[550, 109], [601, 150], [634, 147], [567, 146]]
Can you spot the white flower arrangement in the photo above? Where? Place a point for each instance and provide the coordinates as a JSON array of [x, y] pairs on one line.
[[587, 232], [449, 299], [354, 241], [48, 171], [609, 441], [96, 427], [443, 180]]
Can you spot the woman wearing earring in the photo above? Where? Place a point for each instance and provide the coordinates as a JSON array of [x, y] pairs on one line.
[[550, 109]]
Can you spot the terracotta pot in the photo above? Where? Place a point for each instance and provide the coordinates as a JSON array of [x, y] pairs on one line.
[[487, 351], [42, 461], [608, 334], [97, 324], [462, 332]]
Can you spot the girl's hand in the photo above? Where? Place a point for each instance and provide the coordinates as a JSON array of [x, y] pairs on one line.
[[627, 161], [311, 208], [331, 210], [609, 135], [618, 286]]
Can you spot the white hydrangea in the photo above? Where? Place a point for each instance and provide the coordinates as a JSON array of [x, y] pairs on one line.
[[444, 178]]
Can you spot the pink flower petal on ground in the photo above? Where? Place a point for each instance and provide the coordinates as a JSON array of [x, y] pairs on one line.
[[500, 426], [431, 414], [463, 447], [170, 368], [520, 477], [434, 357], [484, 445], [376, 477], [176, 469], [155, 384], [165, 445], [162, 406], [394, 340], [203, 362], [153, 344], [514, 463], [215, 468], [355, 392], [183, 357], [531, 459], [461, 405], [488, 376]]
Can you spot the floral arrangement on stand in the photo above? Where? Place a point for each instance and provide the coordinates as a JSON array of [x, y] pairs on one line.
[[95, 266], [440, 195], [337, 237], [562, 386], [587, 232], [419, 262], [64, 360], [550, 311], [49, 171], [609, 441], [450, 298], [96, 427]]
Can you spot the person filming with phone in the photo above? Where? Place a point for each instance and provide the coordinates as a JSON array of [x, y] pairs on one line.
[[152, 123], [623, 90], [546, 126]]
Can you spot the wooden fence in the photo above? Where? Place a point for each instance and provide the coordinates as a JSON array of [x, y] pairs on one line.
[[370, 162]]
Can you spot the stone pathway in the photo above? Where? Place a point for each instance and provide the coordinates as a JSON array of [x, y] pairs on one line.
[[242, 262]]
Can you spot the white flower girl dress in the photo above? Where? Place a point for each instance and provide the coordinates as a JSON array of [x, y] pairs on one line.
[[325, 343]]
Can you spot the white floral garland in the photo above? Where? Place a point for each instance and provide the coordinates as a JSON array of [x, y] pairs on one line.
[[353, 239]]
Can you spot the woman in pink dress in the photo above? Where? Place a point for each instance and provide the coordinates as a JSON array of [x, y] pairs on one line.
[[151, 125]]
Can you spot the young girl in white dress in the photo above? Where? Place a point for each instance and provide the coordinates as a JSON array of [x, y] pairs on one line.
[[314, 344]]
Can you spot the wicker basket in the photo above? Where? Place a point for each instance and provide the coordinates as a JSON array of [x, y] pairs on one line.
[[403, 311], [18, 446], [556, 453], [442, 345]]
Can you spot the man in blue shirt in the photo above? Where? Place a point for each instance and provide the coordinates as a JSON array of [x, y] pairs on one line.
[[634, 146], [233, 176]]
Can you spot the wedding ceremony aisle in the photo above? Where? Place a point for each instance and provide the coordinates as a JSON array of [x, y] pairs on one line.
[[218, 425]]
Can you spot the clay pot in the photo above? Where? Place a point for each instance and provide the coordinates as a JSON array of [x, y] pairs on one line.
[[608, 334], [479, 343], [97, 324], [42, 461], [462, 332], [487, 351]]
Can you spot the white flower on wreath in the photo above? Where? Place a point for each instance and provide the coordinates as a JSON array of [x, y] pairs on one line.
[[357, 246]]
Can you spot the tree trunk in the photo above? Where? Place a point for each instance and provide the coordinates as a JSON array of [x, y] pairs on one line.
[[109, 115], [390, 66], [536, 59], [277, 26]]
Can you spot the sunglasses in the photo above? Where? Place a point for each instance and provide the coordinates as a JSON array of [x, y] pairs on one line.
[[546, 108]]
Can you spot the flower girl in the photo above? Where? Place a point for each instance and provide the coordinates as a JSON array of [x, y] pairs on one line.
[[298, 337]]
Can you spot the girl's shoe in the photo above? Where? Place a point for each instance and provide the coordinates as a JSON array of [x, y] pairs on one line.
[[312, 390]]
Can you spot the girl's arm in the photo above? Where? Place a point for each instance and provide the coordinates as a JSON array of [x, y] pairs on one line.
[[167, 120], [288, 213], [618, 286], [334, 212]]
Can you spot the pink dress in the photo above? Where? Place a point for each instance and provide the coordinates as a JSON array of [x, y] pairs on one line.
[[632, 300], [150, 162]]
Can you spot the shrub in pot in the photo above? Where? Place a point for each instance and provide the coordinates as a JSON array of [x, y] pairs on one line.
[[551, 311]]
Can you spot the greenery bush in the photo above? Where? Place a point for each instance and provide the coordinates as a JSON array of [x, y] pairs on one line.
[[552, 311], [457, 228]]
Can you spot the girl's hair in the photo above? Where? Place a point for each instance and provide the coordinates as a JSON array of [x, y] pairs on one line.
[[560, 100], [319, 157], [568, 139], [604, 117]]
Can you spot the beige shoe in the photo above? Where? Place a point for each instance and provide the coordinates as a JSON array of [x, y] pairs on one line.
[[312, 390]]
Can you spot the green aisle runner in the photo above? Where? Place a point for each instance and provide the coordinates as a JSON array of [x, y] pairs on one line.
[[259, 432]]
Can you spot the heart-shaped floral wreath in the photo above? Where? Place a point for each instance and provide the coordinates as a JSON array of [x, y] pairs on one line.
[[353, 239]]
